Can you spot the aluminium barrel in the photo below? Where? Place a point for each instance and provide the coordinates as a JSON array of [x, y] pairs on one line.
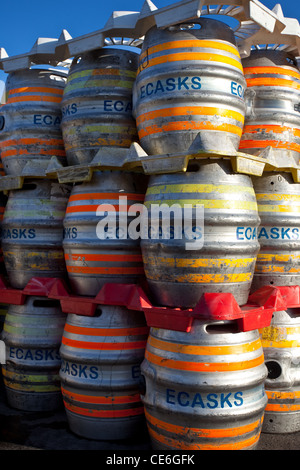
[[30, 120], [281, 345], [97, 103], [272, 97], [204, 390], [93, 258], [32, 335], [100, 373], [189, 92], [278, 202], [225, 262], [32, 231]]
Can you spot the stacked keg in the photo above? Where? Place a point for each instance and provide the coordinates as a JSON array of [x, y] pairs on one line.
[[273, 124], [101, 355], [32, 236], [203, 389]]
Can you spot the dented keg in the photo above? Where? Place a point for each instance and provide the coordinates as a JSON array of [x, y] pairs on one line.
[[32, 335], [204, 390], [281, 344], [32, 231], [177, 275], [97, 103], [30, 120], [272, 98], [100, 371], [278, 202], [189, 90], [97, 244]]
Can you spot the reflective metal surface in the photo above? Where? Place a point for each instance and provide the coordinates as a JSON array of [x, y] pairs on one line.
[[97, 103], [178, 276], [30, 121], [189, 91], [32, 231], [204, 390], [92, 261], [100, 372], [32, 334]]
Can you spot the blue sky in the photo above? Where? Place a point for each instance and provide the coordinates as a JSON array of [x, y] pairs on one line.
[[22, 22]]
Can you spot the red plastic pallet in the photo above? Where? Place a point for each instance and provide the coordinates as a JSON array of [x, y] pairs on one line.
[[256, 314]]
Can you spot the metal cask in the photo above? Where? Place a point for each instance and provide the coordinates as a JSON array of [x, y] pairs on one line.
[[278, 202], [30, 120], [189, 90], [281, 341], [32, 231], [178, 276], [204, 390], [32, 335], [92, 261], [100, 373], [97, 103], [272, 98]]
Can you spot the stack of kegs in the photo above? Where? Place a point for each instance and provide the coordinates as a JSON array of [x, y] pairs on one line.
[[203, 389], [101, 355], [273, 124], [32, 235], [180, 234]]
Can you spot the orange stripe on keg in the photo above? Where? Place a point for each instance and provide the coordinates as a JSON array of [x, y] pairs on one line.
[[18, 99], [204, 350], [104, 257], [256, 129], [135, 398], [192, 56], [106, 331], [282, 395], [269, 143], [103, 346], [56, 91], [194, 43], [282, 407], [189, 126], [272, 82], [104, 413], [87, 196], [203, 366], [190, 111], [11, 153], [203, 432], [94, 207], [174, 443], [104, 270], [271, 70], [31, 141]]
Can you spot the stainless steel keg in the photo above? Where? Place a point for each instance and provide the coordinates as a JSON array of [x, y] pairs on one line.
[[281, 341], [177, 273], [204, 390], [278, 202], [100, 371], [32, 335], [189, 91], [97, 244], [30, 120], [32, 231], [272, 103], [97, 103]]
